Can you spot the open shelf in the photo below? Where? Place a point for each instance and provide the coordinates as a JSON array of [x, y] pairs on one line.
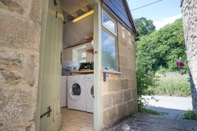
[[90, 50]]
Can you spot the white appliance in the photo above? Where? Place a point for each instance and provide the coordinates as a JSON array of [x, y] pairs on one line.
[[90, 93], [76, 92], [64, 91]]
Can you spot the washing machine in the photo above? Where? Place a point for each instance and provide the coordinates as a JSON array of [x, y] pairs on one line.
[[64, 91], [90, 93], [76, 92]]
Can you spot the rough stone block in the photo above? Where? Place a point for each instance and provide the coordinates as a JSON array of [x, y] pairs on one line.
[[36, 11], [121, 111], [128, 74], [114, 85], [31, 71], [107, 102], [117, 98], [132, 74], [132, 62], [109, 117], [17, 105], [17, 32], [131, 43], [125, 51], [122, 49], [134, 93], [105, 87], [10, 68], [127, 95], [114, 76], [124, 84], [18, 67], [124, 35], [132, 106], [123, 70], [21, 7], [132, 83], [123, 61]]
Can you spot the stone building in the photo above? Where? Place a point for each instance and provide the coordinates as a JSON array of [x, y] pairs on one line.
[[31, 41], [189, 16]]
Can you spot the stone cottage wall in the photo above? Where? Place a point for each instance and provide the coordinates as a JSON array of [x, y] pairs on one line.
[[119, 93], [189, 16], [20, 27]]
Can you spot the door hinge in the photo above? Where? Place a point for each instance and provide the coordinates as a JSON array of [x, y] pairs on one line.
[[48, 113], [55, 2]]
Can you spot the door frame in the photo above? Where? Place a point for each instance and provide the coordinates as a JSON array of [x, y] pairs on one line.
[[97, 66]]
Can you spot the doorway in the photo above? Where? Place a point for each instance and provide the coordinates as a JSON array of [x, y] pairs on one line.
[[51, 31], [77, 62]]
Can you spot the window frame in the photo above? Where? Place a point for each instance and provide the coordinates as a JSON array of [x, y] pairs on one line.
[[115, 23], [113, 35]]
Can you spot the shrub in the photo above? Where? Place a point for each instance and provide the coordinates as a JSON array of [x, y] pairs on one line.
[[145, 82], [189, 115]]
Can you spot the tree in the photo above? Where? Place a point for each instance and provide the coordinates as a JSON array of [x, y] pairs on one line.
[[161, 49], [144, 26]]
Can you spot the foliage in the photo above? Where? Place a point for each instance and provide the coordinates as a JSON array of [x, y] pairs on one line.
[[172, 84], [189, 115], [148, 111], [145, 82], [160, 50], [144, 26]]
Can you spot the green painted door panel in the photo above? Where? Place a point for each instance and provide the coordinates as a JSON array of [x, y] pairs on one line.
[[52, 69]]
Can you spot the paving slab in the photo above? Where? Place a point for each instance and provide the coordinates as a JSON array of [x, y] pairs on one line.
[[174, 108], [147, 122]]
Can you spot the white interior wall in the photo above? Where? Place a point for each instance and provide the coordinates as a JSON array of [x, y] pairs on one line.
[[67, 54], [74, 33], [71, 54]]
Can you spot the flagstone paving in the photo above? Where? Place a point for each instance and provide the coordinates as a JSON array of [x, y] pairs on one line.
[[147, 122]]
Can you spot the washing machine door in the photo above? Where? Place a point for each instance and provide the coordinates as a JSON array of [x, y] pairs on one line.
[[76, 90], [91, 92]]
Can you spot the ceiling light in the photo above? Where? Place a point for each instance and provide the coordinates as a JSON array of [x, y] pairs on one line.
[[83, 16]]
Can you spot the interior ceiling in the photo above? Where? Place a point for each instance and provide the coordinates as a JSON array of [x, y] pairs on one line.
[[74, 8]]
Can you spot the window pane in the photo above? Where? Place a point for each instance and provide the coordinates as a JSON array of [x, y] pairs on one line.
[[108, 51], [83, 55], [108, 23]]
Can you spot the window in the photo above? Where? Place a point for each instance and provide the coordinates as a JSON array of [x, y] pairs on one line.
[[82, 56], [108, 23], [109, 49]]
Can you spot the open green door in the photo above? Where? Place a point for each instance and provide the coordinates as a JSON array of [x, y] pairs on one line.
[[50, 111]]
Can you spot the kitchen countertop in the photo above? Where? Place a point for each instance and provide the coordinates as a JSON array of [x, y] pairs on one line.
[[80, 72]]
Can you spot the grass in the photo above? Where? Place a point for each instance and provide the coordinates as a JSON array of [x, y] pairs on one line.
[[153, 112], [172, 84]]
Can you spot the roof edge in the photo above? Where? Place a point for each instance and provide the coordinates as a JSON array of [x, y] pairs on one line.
[[130, 17]]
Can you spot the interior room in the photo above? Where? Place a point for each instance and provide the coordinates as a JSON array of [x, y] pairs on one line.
[[77, 90]]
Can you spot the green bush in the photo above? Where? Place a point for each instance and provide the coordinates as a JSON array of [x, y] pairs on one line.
[[145, 82], [172, 84], [189, 115]]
